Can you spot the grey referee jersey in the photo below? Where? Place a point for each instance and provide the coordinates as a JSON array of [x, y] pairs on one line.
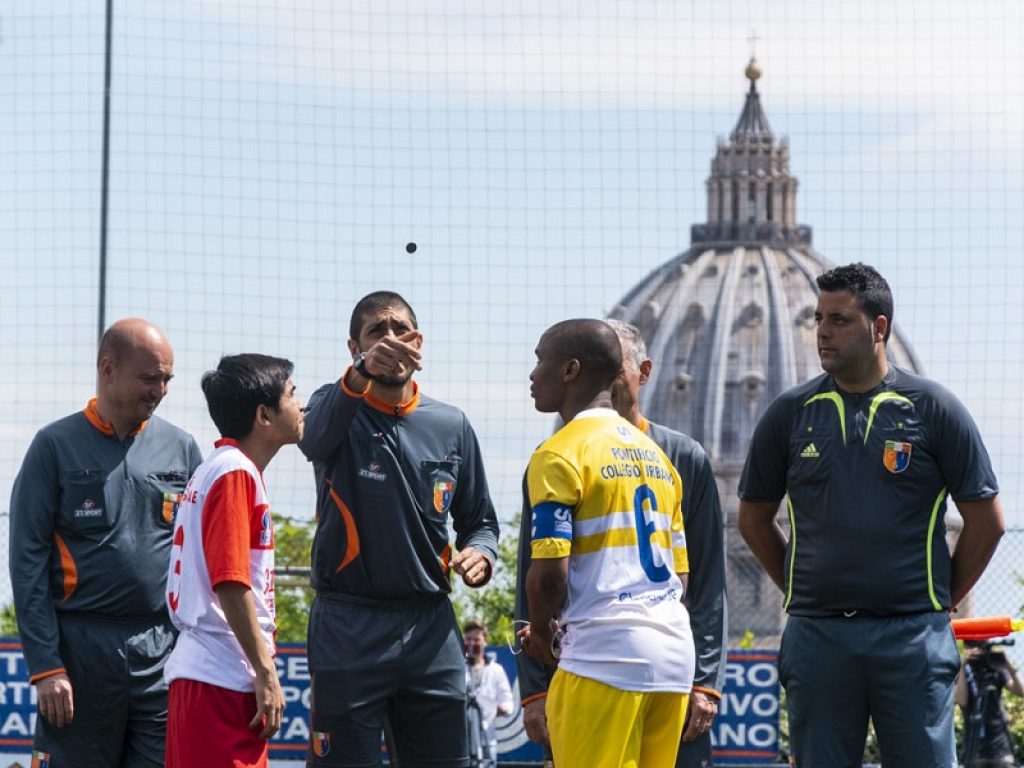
[[91, 526], [867, 476], [389, 480]]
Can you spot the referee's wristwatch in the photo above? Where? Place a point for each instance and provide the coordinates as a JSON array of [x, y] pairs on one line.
[[359, 364]]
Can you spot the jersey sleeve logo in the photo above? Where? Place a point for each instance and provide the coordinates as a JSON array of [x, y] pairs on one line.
[[267, 528], [551, 520], [896, 456], [443, 495]]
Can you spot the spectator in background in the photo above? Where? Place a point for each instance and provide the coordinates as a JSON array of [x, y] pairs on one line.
[[985, 673], [487, 692]]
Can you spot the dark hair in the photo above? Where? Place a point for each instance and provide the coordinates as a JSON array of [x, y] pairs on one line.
[[593, 342], [239, 386], [474, 624], [872, 292], [374, 302]]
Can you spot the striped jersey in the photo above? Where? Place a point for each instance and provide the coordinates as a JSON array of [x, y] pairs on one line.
[[223, 532], [604, 494]]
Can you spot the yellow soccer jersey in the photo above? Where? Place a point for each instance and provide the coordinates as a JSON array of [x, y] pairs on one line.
[[604, 494]]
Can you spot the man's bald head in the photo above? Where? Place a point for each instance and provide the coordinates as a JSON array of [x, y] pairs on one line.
[[134, 365], [129, 335], [592, 342]]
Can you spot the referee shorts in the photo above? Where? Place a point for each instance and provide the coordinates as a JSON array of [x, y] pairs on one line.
[[403, 660], [116, 669], [897, 671]]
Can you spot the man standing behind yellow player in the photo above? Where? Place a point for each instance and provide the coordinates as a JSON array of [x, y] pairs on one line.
[[606, 583]]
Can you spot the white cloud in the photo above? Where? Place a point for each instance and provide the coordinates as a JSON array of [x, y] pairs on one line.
[[914, 55]]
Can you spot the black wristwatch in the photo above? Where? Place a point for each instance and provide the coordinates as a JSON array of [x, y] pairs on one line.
[[359, 365]]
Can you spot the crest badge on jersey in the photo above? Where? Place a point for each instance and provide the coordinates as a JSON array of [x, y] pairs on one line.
[[896, 457], [443, 495], [170, 507], [321, 743], [40, 759]]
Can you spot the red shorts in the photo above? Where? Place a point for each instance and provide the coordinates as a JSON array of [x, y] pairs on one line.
[[209, 726]]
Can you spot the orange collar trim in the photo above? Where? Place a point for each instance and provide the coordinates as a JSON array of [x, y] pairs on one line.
[[394, 409], [352, 392], [643, 425], [93, 415]]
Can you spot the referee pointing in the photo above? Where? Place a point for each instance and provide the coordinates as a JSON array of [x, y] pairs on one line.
[[393, 467]]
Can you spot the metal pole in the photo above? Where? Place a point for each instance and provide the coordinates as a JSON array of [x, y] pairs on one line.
[[104, 182]]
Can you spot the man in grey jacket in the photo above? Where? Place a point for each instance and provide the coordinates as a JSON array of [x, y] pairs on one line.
[[393, 467], [92, 512]]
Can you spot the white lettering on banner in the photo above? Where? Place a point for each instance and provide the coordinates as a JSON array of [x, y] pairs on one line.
[[17, 693], [760, 735], [16, 725], [748, 714], [295, 668], [760, 675], [292, 693], [10, 661], [293, 728], [760, 704]]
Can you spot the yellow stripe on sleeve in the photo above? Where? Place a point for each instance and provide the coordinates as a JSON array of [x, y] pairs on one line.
[[550, 549]]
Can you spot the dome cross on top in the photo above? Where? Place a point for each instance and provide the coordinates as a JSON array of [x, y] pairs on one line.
[[751, 194]]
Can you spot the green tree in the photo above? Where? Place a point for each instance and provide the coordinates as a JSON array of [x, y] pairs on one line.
[[8, 621], [293, 540], [495, 603]]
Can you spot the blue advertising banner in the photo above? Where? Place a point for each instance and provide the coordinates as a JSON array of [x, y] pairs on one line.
[[18, 707], [745, 732], [17, 700]]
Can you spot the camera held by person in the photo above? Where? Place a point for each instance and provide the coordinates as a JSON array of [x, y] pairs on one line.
[[985, 672]]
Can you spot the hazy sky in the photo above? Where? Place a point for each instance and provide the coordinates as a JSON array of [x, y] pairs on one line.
[[270, 160]]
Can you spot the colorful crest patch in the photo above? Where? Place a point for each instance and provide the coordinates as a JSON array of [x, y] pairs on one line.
[[321, 743], [40, 759], [897, 456], [170, 507], [442, 495]]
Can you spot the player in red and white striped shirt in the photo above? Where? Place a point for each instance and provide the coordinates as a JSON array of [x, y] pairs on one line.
[[225, 697]]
